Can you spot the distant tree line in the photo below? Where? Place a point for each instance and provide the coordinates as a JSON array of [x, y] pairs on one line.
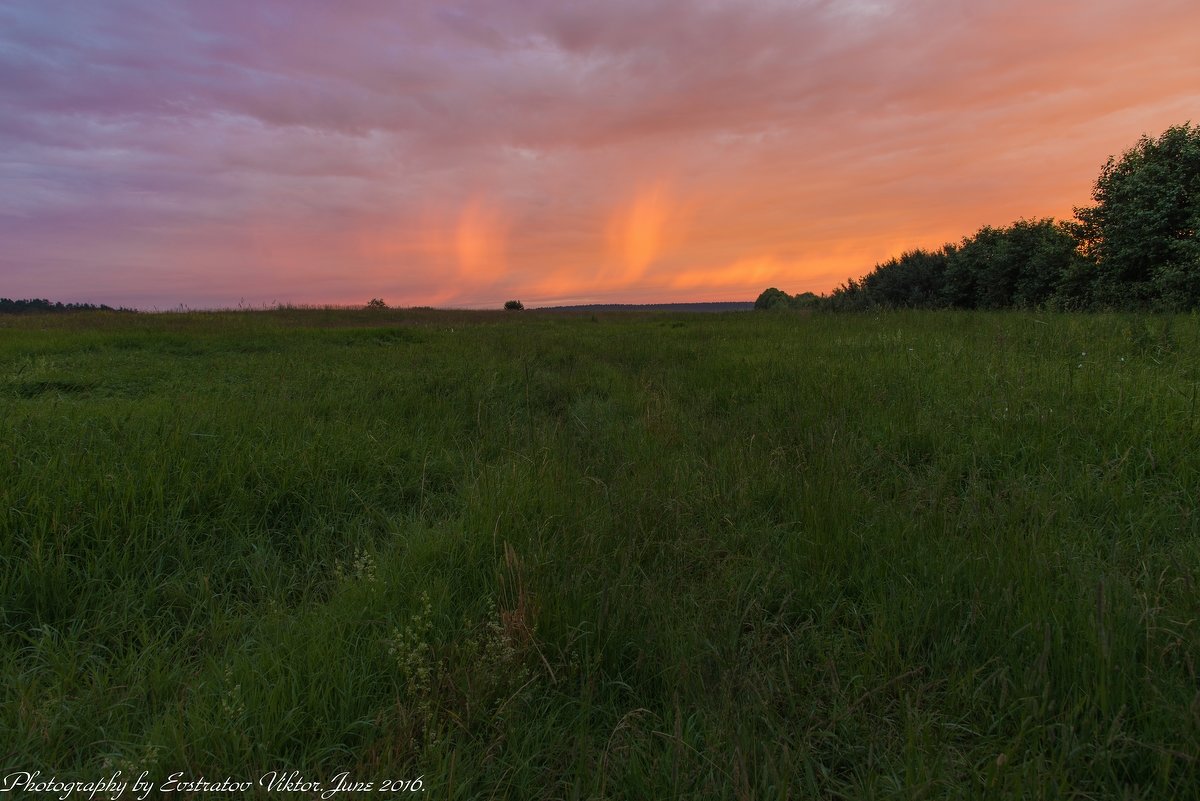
[[1137, 247], [9, 306]]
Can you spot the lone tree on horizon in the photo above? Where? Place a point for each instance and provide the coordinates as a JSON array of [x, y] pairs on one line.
[[514, 305]]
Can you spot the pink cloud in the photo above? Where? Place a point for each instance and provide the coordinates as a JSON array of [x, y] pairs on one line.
[[215, 151]]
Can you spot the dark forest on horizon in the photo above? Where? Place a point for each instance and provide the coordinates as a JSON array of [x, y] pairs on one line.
[[41, 305]]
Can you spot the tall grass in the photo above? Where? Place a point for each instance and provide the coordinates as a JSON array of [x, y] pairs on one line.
[[927, 555]]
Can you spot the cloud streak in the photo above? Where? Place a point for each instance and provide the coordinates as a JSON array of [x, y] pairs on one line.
[[210, 152]]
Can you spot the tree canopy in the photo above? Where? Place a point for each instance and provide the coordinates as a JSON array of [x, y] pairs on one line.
[[1138, 247], [1022, 265], [1141, 234], [774, 298]]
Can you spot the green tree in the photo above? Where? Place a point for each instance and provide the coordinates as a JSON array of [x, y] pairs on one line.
[[773, 298], [1142, 231], [806, 300], [913, 280], [1019, 266], [1043, 252], [848, 297], [514, 305]]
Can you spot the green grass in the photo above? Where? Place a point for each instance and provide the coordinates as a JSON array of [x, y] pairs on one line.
[[916, 555]]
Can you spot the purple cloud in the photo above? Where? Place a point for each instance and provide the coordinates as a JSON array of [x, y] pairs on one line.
[[462, 152]]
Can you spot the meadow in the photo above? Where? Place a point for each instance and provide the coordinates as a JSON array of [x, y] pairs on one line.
[[614, 556]]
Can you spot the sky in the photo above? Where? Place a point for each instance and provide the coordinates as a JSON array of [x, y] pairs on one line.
[[217, 153]]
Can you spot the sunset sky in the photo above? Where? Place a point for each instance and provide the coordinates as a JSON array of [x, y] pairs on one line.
[[217, 152]]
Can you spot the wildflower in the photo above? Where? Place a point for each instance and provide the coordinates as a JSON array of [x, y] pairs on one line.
[[364, 566], [231, 701]]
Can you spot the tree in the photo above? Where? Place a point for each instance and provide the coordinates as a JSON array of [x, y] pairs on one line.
[[1142, 234], [1029, 264], [999, 268], [376, 303], [848, 297], [1043, 252], [806, 300], [773, 298], [913, 280], [514, 305], [777, 299]]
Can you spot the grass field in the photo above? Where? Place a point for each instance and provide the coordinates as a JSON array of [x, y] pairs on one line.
[[916, 555]]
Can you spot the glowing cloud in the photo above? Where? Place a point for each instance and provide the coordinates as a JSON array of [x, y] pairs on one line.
[[639, 233], [481, 242], [744, 272], [158, 153]]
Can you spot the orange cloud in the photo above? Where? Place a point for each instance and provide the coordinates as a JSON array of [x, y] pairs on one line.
[[749, 271], [481, 242], [639, 234], [634, 165]]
